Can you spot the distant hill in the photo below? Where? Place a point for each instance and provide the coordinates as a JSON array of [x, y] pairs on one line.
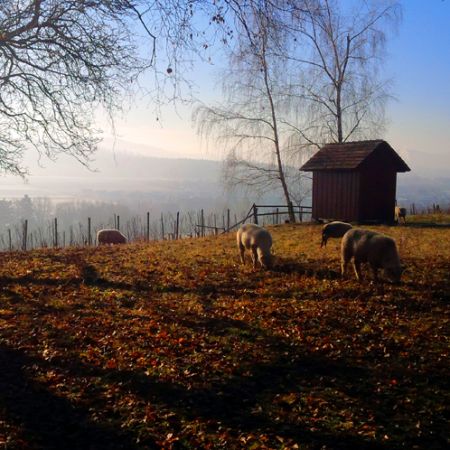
[[132, 179], [429, 179], [181, 183], [425, 164]]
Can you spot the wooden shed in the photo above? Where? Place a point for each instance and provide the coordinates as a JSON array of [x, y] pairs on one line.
[[355, 181]]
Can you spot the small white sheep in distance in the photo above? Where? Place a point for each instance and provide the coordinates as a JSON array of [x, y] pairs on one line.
[[110, 236], [377, 249], [334, 230], [258, 240], [400, 213]]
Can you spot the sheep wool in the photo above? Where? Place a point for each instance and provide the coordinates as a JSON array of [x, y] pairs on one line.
[[377, 249], [111, 236], [334, 230], [258, 241]]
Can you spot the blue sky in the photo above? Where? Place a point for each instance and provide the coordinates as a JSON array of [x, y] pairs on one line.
[[419, 62]]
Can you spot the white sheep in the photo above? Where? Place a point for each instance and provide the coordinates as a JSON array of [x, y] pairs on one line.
[[334, 230], [110, 236], [377, 249], [399, 214], [258, 240]]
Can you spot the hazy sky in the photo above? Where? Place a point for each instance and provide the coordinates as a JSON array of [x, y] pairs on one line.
[[418, 60]]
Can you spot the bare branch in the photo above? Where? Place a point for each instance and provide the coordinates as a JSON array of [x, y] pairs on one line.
[[63, 61]]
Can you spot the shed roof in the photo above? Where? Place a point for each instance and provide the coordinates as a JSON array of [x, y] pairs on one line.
[[350, 156]]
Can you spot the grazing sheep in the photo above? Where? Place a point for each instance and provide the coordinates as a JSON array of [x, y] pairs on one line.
[[378, 250], [110, 237], [258, 240], [334, 230], [399, 214]]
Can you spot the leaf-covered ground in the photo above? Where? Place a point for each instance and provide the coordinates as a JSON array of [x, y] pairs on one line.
[[176, 345]]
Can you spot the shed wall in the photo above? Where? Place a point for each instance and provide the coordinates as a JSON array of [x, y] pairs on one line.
[[377, 200], [336, 195]]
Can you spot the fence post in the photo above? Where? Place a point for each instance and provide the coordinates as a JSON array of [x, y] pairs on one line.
[[118, 222], [178, 225], [228, 219], [162, 226], [255, 214], [202, 223], [24, 237], [64, 238], [56, 233], [9, 239], [89, 232], [148, 226]]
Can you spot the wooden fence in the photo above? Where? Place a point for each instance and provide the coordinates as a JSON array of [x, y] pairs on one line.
[[167, 227], [254, 214], [55, 233], [278, 211]]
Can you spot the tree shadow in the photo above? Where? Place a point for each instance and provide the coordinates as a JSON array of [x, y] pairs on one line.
[[47, 421], [13, 296], [71, 281], [233, 400], [426, 225], [305, 268], [240, 400]]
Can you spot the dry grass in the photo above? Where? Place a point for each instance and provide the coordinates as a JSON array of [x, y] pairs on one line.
[[175, 345], [435, 218]]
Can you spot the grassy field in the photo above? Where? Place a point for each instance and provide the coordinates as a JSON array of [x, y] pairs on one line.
[[436, 218], [175, 345]]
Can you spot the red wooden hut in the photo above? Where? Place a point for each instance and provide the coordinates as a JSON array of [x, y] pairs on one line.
[[355, 181]]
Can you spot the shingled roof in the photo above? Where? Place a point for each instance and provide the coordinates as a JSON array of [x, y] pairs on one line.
[[350, 155]]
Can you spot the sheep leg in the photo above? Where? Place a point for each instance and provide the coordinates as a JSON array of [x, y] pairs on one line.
[[344, 263], [324, 241], [242, 253], [357, 268], [346, 256], [254, 257]]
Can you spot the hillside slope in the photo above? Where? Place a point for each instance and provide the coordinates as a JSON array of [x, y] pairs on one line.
[[175, 345]]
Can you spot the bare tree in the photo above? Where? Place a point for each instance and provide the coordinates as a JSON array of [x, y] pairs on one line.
[[340, 54], [63, 60], [302, 73], [251, 125]]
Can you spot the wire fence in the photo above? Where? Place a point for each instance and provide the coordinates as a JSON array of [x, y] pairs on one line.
[[140, 228]]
